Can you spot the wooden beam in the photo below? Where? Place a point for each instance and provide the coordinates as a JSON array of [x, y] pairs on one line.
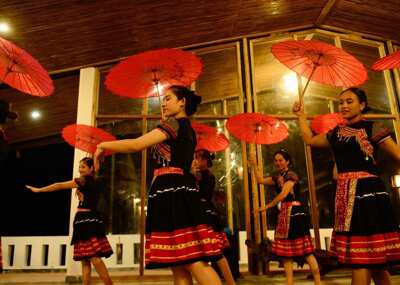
[[325, 12]]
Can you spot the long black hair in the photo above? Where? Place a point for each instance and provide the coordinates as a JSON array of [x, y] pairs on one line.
[[192, 99], [285, 155], [205, 154]]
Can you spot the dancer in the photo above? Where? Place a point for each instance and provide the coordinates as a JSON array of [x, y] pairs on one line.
[[366, 234], [292, 234], [201, 165], [89, 238], [178, 231]]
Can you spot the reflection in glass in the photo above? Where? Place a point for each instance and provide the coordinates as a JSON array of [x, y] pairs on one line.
[[294, 146], [110, 103], [219, 80], [121, 174], [375, 87]]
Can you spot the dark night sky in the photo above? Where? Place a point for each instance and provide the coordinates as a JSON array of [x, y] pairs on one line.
[[24, 213]]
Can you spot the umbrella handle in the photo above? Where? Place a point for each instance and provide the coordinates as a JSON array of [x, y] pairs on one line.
[[301, 96], [159, 99]]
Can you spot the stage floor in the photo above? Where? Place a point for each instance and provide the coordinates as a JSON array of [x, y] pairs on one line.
[[126, 277]]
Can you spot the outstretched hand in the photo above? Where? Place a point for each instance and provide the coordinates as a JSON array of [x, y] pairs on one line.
[[33, 189], [298, 108], [98, 155], [252, 159]]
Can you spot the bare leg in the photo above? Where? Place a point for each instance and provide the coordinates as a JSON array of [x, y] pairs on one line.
[[226, 271], [101, 270], [312, 262], [181, 276], [381, 277], [203, 273], [86, 271], [288, 266], [361, 276]]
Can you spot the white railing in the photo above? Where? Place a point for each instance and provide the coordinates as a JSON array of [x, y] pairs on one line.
[[49, 252]]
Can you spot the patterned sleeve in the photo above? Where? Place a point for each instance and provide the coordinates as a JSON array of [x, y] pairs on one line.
[[170, 128], [292, 176], [380, 133], [80, 181]]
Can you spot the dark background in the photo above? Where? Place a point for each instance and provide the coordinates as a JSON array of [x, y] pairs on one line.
[[24, 213]]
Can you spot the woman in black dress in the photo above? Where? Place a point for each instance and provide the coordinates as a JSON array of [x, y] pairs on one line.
[[178, 231], [292, 234], [366, 234], [89, 233], [201, 165]]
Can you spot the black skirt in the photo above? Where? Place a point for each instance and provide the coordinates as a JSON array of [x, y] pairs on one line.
[[178, 230]]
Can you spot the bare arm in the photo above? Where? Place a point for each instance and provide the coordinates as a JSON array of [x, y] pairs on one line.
[[319, 140], [391, 148], [286, 189], [54, 187], [130, 145]]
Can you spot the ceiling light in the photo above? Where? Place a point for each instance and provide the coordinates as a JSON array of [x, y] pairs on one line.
[[35, 115], [4, 28]]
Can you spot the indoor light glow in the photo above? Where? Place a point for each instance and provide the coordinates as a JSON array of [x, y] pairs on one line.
[[290, 82], [35, 115], [4, 28]]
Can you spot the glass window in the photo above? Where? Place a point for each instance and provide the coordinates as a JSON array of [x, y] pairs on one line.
[[219, 79], [111, 104], [375, 87], [122, 175]]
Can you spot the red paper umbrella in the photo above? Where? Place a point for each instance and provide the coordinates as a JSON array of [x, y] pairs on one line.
[[85, 137], [209, 138], [143, 75], [322, 124], [257, 128], [21, 71], [320, 62], [388, 62]]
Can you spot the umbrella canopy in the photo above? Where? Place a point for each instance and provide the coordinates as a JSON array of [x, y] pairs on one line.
[[209, 138], [146, 74], [322, 124], [320, 62], [21, 71], [388, 62], [86, 137], [257, 128]]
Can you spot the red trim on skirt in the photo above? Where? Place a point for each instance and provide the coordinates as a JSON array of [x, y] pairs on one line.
[[92, 247], [223, 240], [180, 245], [167, 170], [366, 250], [293, 247]]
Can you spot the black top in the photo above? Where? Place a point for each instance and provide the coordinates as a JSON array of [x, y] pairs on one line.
[[90, 190], [280, 178], [4, 151], [206, 182], [178, 149], [354, 145]]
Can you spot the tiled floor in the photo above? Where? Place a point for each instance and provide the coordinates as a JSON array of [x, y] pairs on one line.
[[124, 278]]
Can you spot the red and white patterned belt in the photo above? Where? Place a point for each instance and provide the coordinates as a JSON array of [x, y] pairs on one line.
[[168, 170], [345, 196], [82, 210], [291, 203], [355, 175]]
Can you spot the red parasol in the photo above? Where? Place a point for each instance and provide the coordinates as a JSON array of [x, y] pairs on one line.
[[21, 71], [320, 62], [322, 124], [257, 128], [144, 74], [86, 137], [209, 138], [388, 62]]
